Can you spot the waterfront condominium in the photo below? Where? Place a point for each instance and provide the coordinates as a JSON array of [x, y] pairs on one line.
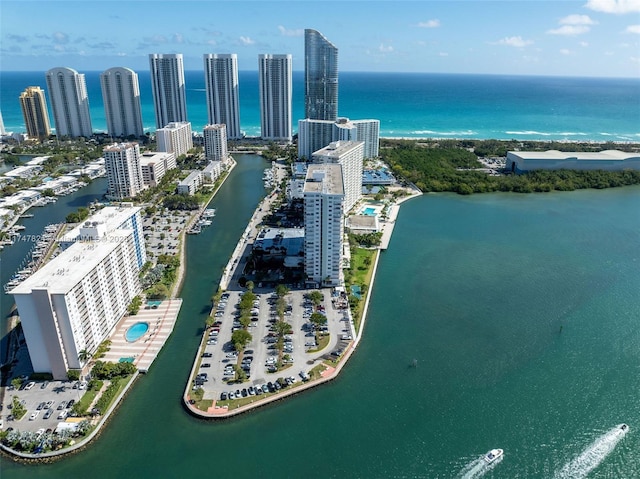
[[34, 110], [167, 85], [155, 165], [74, 302], [70, 103], [320, 77], [349, 155], [316, 134], [121, 99], [221, 82], [215, 142], [124, 171], [275, 96], [175, 137], [323, 224]]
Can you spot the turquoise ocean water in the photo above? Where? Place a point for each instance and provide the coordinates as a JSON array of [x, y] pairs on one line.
[[411, 104]]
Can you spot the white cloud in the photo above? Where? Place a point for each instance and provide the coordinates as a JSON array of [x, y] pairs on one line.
[[443, 54], [583, 44], [633, 29], [60, 38], [577, 20], [246, 40], [635, 60], [178, 38], [435, 23], [385, 48], [298, 32], [564, 51], [513, 42], [569, 30], [614, 6]]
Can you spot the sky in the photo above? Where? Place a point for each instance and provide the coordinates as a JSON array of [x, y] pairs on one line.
[[596, 38]]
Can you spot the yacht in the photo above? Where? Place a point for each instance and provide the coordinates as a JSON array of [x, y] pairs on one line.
[[623, 428], [492, 455]]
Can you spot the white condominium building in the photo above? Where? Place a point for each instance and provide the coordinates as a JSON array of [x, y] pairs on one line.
[[191, 184], [275, 96], [73, 302], [175, 138], [316, 134], [221, 82], [349, 155], [215, 142], [36, 115], [154, 166], [323, 224], [168, 87], [124, 173], [121, 98], [70, 103]]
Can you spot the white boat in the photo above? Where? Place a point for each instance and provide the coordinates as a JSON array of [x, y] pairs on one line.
[[623, 428], [492, 455]]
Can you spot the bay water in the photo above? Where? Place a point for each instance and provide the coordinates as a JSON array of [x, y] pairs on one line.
[[496, 320]]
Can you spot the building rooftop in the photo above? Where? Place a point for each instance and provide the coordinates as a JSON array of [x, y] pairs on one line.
[[191, 178], [119, 146], [109, 216], [337, 148], [150, 157], [67, 269], [612, 155], [324, 178]]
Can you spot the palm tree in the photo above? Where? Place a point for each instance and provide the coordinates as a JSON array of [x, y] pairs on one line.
[[84, 356]]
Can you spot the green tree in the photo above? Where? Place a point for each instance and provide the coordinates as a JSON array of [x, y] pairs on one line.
[[315, 296], [134, 306], [282, 328], [84, 356], [240, 339], [282, 290], [318, 319]]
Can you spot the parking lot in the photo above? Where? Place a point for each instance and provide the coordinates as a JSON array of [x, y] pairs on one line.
[[259, 358], [47, 403], [162, 231]]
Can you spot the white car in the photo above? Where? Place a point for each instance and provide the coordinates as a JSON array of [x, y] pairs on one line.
[[34, 415]]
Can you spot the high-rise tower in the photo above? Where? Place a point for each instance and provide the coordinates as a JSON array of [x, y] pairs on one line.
[[70, 103], [121, 98], [275, 96], [320, 77], [34, 110], [221, 82], [124, 173], [167, 84]]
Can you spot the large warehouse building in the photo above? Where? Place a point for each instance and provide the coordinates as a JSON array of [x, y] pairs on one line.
[[609, 160]]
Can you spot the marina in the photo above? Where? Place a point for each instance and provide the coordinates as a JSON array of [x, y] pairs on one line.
[[205, 219]]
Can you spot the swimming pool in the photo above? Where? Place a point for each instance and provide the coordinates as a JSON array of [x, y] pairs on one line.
[[136, 331], [369, 211]]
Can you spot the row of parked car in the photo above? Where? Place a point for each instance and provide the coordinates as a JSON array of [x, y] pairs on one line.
[[270, 387]]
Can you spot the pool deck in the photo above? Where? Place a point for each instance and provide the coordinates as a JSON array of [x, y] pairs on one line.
[[144, 350]]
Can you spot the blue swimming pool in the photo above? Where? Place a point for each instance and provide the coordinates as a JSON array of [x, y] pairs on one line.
[[369, 211], [136, 331]]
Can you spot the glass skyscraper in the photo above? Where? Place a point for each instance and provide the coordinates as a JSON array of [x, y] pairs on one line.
[[320, 77]]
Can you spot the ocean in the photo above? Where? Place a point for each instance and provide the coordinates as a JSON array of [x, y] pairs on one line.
[[411, 105]]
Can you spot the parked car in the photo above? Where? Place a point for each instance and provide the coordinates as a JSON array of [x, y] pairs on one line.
[[62, 405]]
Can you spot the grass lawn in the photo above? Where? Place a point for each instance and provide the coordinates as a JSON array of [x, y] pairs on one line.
[[87, 398], [360, 273], [322, 342]]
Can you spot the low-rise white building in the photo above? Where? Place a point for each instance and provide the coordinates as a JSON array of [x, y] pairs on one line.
[[154, 166], [212, 171], [191, 184], [608, 160]]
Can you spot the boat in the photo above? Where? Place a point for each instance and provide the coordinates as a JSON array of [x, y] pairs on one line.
[[623, 428], [492, 455], [194, 231], [209, 213]]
